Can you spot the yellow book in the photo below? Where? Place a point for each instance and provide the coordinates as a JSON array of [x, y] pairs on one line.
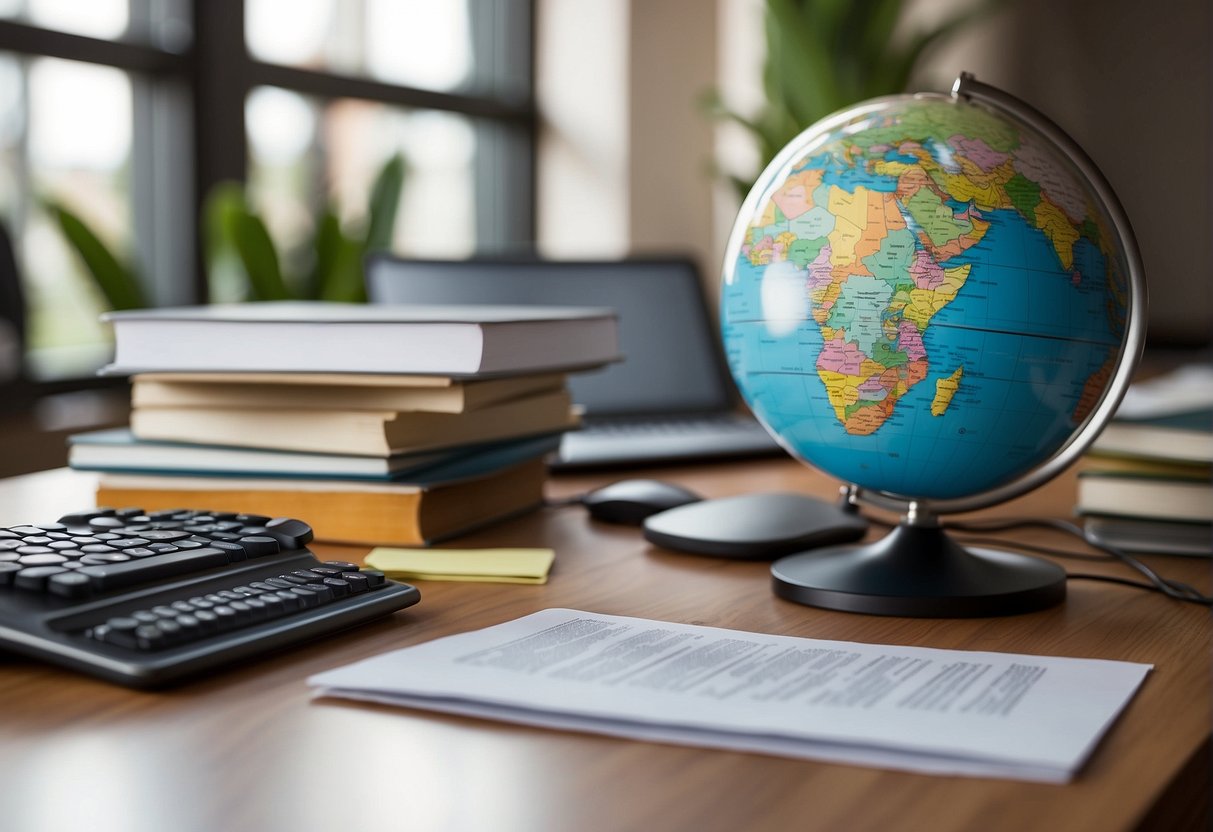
[[328, 391], [359, 432], [342, 511]]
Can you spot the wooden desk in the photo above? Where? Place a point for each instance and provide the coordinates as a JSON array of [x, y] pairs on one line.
[[247, 750]]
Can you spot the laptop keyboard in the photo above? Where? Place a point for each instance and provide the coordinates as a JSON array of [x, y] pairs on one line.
[[143, 599], [671, 426]]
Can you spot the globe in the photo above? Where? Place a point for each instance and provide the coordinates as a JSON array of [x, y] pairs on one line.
[[934, 298]]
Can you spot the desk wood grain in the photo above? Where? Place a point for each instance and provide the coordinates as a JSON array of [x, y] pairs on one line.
[[246, 749]]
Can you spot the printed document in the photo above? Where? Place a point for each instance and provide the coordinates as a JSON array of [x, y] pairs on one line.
[[912, 708]]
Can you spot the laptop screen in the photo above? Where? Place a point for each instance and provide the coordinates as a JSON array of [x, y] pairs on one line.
[[671, 360]]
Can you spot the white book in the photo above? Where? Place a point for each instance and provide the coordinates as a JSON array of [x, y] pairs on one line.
[[307, 337]]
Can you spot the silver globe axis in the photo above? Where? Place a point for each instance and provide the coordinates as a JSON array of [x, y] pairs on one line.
[[917, 569]]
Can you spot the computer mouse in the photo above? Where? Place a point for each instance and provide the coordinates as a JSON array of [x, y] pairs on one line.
[[629, 502]]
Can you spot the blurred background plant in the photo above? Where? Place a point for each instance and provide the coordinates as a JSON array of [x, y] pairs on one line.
[[824, 55], [237, 242]]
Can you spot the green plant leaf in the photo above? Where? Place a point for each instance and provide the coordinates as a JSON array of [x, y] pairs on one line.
[[338, 268], [383, 204], [116, 280], [257, 253], [223, 202]]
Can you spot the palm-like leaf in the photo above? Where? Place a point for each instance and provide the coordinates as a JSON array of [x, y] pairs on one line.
[[115, 279], [824, 55]]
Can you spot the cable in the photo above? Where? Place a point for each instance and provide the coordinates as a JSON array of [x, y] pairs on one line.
[[1177, 590]]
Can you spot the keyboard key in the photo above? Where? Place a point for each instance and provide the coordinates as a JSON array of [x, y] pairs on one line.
[[105, 523], [34, 577], [342, 565], [170, 628], [340, 587], [26, 531], [289, 599], [131, 573], [290, 533], [235, 551], [149, 637], [34, 550], [165, 535], [145, 617], [191, 627], [42, 560], [121, 631], [8, 571], [257, 546], [309, 598], [69, 585], [207, 620], [98, 548], [357, 581], [323, 593], [104, 558], [374, 577]]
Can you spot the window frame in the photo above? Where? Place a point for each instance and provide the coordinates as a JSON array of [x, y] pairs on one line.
[[205, 88]]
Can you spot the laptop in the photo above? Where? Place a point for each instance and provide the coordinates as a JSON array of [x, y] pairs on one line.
[[670, 400]]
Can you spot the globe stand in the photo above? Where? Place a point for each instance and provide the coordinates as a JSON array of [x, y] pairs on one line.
[[918, 570]]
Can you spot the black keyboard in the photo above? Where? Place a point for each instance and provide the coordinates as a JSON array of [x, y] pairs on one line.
[[146, 599]]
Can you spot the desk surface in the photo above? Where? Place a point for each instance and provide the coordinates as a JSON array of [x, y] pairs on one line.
[[246, 749]]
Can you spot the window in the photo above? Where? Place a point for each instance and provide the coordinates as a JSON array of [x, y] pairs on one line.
[[128, 112]]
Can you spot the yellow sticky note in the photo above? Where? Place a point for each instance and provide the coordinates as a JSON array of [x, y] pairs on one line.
[[505, 566]]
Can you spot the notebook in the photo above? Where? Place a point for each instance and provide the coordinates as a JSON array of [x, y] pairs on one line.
[[670, 399]]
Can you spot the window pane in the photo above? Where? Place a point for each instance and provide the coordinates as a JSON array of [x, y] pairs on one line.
[[79, 154], [437, 210], [304, 155], [96, 18], [415, 43], [12, 129]]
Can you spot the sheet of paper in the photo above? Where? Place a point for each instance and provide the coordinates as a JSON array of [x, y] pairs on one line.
[[913, 708], [515, 566]]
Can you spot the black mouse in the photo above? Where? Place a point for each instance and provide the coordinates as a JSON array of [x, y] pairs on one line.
[[629, 502]]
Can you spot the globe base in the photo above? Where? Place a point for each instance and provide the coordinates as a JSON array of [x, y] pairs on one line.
[[919, 571]]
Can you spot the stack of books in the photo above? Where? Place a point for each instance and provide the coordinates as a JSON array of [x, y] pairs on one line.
[[1147, 485], [376, 425]]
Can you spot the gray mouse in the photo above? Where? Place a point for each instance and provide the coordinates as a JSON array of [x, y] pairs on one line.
[[629, 502]]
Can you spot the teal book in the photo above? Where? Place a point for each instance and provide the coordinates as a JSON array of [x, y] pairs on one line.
[[117, 451]]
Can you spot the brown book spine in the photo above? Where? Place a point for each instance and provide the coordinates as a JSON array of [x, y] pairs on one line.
[[363, 517]]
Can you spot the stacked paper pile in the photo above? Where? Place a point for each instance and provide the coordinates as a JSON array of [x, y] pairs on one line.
[[373, 424]]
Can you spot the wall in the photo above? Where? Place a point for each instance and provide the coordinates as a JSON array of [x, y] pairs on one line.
[[1132, 82], [625, 155]]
